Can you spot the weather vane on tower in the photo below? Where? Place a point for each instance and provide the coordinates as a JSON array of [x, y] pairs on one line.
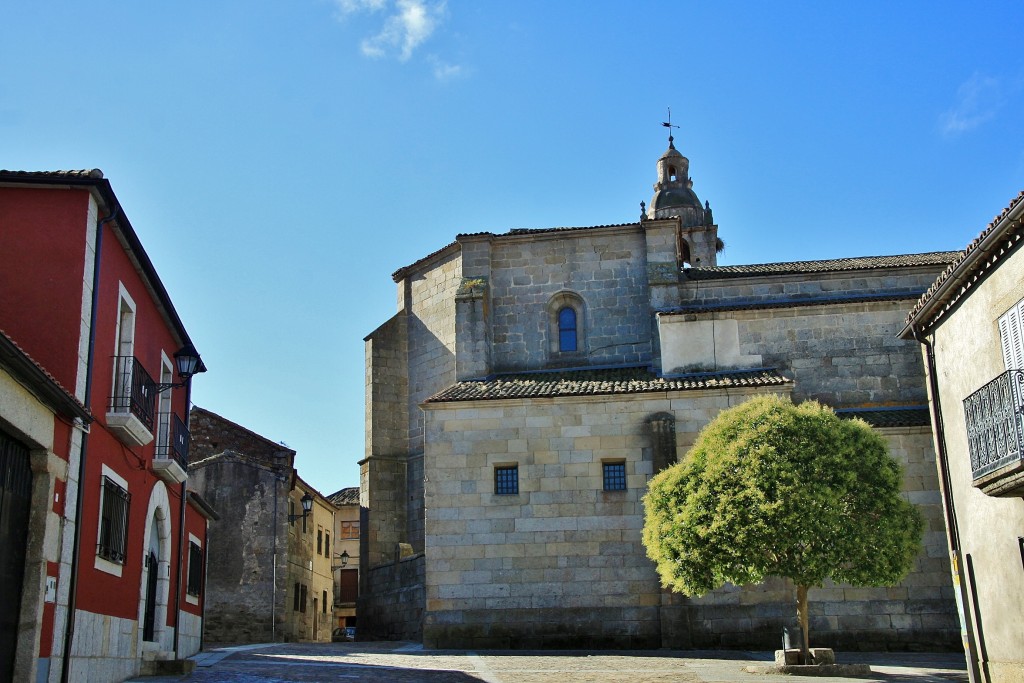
[[668, 124]]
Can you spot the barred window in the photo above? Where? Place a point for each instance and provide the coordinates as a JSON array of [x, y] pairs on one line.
[[614, 476], [113, 521], [302, 598], [320, 541], [327, 544], [506, 479], [295, 598], [195, 570], [323, 603]]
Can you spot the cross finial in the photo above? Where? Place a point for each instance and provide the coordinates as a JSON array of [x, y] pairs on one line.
[[668, 124]]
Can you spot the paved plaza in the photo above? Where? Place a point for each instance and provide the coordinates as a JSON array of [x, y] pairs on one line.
[[409, 663]]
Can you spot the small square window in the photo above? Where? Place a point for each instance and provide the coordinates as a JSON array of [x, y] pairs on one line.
[[614, 476], [506, 479]]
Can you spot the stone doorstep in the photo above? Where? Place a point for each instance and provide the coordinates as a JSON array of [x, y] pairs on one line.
[[167, 667]]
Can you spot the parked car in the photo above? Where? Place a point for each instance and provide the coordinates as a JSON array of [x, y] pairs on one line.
[[340, 635]]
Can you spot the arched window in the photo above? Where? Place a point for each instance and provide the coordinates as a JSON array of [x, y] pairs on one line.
[[672, 173], [567, 329], [567, 320]]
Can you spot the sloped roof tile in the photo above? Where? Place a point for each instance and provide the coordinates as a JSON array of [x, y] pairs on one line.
[[935, 258], [597, 382]]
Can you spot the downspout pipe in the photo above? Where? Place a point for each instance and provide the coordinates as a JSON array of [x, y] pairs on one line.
[[69, 626], [949, 508], [181, 530]]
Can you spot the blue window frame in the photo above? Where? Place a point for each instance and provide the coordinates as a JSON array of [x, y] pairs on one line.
[[567, 329], [506, 480], [614, 476]]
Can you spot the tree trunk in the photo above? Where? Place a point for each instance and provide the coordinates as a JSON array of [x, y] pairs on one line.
[[801, 614]]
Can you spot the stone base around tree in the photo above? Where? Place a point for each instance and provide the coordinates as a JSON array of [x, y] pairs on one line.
[[823, 664]]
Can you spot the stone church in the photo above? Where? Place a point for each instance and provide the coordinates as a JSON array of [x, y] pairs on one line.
[[531, 382]]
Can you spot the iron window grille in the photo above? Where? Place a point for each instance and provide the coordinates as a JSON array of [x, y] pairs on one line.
[[614, 476], [134, 390], [113, 522], [195, 570], [295, 598], [302, 598], [506, 480], [995, 423], [173, 441]]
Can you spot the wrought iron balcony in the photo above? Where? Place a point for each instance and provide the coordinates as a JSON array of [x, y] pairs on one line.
[[170, 458], [133, 404], [995, 434]]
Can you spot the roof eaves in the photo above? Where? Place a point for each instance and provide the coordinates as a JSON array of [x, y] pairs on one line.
[[39, 381], [1003, 235]]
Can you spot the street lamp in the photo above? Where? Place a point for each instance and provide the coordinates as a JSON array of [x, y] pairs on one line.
[[344, 560], [307, 506], [188, 363]]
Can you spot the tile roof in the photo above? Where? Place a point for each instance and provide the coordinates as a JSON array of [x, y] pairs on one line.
[[346, 496], [537, 231], [28, 370], [600, 381], [788, 302], [902, 416], [935, 258], [980, 256], [92, 174]]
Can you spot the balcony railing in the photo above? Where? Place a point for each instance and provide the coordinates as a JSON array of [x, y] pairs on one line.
[[134, 390], [995, 424], [172, 439]]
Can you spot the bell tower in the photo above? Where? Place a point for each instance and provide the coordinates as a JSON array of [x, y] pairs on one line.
[[674, 198]]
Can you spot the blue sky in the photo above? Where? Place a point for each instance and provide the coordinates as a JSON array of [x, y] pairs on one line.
[[280, 160]]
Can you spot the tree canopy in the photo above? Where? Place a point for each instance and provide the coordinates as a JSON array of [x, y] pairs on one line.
[[776, 489]]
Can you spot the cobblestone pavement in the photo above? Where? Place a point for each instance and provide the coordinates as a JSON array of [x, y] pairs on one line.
[[409, 663]]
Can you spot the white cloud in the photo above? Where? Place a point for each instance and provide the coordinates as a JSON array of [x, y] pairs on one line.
[[408, 24], [977, 100], [446, 72]]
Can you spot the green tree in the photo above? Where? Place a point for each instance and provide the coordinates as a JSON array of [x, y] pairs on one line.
[[776, 489]]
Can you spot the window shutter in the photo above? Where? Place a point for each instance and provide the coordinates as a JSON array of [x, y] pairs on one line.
[[1010, 334]]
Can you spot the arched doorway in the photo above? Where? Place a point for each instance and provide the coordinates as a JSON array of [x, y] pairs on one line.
[[155, 584]]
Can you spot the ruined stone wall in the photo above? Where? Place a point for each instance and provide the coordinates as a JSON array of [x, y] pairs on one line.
[[606, 267], [242, 603]]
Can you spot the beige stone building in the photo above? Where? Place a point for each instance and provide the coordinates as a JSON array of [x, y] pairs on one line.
[[310, 579], [346, 556], [971, 327], [531, 383]]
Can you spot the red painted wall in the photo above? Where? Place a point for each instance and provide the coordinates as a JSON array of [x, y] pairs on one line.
[[41, 306], [152, 335]]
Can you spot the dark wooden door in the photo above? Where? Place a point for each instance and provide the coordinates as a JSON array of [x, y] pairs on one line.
[[149, 618], [15, 496]]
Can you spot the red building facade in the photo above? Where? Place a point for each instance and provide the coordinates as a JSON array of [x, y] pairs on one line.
[[113, 536]]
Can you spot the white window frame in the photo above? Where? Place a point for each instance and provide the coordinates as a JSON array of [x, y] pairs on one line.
[[101, 563], [189, 598], [124, 339]]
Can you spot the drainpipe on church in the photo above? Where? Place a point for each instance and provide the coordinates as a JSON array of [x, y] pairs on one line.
[[953, 535]]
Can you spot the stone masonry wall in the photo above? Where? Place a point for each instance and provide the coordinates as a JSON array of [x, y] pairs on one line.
[[841, 355], [393, 607], [561, 563], [431, 333], [239, 590], [606, 267]]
